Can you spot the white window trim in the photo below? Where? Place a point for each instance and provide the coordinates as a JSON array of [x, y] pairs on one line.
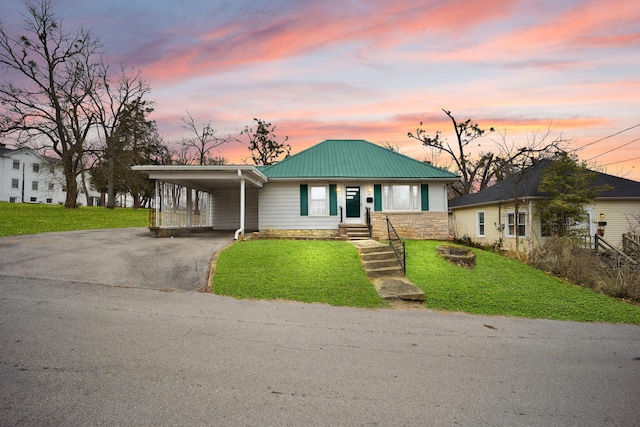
[[484, 223], [387, 199], [326, 201], [516, 223]]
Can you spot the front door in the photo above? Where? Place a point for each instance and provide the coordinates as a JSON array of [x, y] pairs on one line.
[[353, 202]]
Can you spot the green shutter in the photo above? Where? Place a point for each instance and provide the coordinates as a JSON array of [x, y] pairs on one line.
[[333, 200], [377, 197], [424, 196], [304, 200]]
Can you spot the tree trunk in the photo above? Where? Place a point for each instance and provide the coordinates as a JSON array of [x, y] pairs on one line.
[[71, 200], [111, 191]]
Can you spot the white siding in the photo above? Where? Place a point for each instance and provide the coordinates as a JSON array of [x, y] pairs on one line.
[[279, 209], [225, 208], [50, 185], [437, 197]]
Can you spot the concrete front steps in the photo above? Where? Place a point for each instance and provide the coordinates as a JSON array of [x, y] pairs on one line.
[[355, 232], [385, 272]]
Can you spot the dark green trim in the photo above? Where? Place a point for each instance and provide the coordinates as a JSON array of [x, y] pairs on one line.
[[424, 196], [304, 200], [377, 197], [333, 200]]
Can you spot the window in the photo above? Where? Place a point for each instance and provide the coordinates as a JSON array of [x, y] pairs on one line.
[[16, 164], [12, 199], [15, 183], [34, 199], [480, 222], [400, 198], [318, 200], [52, 169], [36, 168], [51, 186], [34, 185], [49, 200], [521, 224]]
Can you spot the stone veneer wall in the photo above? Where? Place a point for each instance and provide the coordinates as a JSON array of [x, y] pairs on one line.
[[299, 234], [411, 225]]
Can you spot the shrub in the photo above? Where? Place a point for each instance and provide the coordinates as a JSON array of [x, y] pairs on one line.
[[568, 258]]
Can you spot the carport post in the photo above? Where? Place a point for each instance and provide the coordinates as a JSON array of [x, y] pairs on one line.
[[189, 206], [241, 229]]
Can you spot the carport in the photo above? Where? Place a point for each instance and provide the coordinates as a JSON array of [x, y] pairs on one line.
[[198, 198]]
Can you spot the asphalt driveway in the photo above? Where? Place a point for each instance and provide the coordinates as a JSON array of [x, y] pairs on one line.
[[128, 257]]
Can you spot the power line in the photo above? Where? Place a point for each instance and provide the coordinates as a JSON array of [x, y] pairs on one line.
[[621, 161], [607, 137], [614, 149]]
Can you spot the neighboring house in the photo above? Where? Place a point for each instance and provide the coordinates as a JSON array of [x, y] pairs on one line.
[[319, 192], [489, 217], [28, 177]]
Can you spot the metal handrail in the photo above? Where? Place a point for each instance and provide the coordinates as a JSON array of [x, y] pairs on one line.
[[368, 217], [397, 245]]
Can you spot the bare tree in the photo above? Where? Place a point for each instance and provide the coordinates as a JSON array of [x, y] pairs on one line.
[[506, 158], [198, 148], [48, 102], [120, 95], [474, 172]]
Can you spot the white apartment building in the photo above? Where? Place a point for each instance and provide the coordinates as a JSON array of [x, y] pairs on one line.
[[28, 177]]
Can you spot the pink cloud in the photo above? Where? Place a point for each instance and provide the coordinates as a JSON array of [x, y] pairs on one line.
[[313, 26]]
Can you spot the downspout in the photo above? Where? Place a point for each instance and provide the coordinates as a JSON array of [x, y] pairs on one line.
[[530, 225], [241, 229]]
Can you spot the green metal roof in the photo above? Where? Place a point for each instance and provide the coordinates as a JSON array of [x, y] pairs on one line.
[[353, 159]]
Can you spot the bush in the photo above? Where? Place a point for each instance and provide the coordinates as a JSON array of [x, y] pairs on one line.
[[568, 258], [620, 279]]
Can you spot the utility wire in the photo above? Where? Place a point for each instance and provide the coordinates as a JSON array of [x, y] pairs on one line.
[[621, 161], [607, 137], [614, 149]]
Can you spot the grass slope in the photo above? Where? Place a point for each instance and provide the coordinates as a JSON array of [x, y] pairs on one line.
[[308, 271], [22, 218], [503, 286]]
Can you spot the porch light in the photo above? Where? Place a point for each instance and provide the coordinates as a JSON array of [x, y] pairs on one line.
[[601, 216]]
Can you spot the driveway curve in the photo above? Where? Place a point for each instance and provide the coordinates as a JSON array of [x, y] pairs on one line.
[[128, 257]]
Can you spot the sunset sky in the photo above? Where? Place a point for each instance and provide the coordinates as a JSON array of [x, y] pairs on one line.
[[375, 69]]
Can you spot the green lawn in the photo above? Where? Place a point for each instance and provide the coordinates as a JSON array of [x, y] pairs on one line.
[[330, 272], [22, 218], [309, 271], [504, 286]]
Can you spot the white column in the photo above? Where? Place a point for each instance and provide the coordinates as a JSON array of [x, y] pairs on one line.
[[241, 229], [158, 202], [189, 206]]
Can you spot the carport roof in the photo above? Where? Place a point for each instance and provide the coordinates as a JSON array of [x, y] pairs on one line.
[[205, 178]]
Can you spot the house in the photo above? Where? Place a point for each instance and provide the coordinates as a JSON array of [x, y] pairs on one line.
[[320, 192], [28, 177], [488, 217]]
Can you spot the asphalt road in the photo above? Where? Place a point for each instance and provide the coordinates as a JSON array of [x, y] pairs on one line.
[[85, 352]]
